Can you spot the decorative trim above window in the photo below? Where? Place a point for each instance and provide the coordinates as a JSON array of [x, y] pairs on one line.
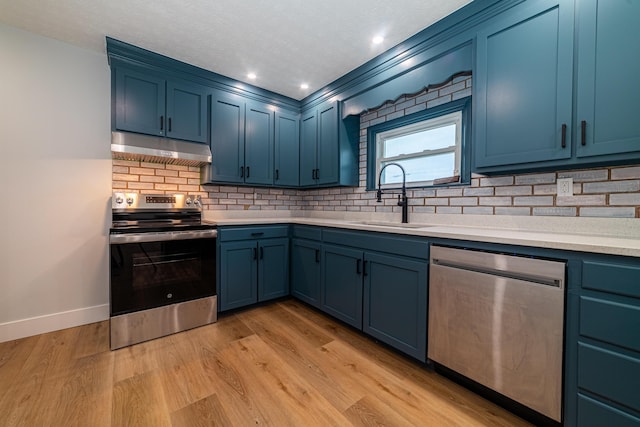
[[432, 145]]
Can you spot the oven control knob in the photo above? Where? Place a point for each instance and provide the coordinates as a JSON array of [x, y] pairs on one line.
[[188, 201], [197, 202], [169, 295], [129, 201], [119, 200]]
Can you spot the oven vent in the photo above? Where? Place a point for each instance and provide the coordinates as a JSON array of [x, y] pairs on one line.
[[153, 149]]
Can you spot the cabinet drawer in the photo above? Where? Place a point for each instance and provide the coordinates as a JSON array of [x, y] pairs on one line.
[[409, 246], [594, 413], [226, 234], [609, 374], [307, 232], [616, 277], [611, 322]]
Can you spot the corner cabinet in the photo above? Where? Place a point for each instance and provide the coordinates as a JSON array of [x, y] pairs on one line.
[[145, 102], [328, 147], [534, 110], [287, 149], [306, 264], [242, 141], [253, 265]]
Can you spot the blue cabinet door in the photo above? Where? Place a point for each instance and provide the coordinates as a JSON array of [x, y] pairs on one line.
[[305, 271], [342, 272], [308, 148], [227, 138], [328, 161], [608, 88], [523, 85], [273, 268], [395, 302], [238, 274], [258, 145], [286, 155], [187, 111], [139, 102]]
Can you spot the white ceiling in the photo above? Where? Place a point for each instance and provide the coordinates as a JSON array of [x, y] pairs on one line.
[[285, 42]]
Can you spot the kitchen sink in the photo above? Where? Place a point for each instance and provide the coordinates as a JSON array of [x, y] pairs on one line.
[[393, 224]]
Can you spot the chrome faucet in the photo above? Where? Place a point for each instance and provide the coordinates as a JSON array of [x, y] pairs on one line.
[[402, 201]]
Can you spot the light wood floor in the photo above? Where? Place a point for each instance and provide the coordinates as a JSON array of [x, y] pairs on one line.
[[282, 364]]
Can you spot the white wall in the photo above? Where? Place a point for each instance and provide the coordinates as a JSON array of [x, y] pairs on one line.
[[55, 184]]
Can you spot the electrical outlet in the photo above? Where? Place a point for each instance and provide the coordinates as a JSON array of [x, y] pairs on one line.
[[565, 187]]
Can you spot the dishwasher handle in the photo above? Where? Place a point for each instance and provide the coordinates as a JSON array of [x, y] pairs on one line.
[[540, 271]]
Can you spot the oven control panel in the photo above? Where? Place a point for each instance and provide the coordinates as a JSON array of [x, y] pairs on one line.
[[121, 200]]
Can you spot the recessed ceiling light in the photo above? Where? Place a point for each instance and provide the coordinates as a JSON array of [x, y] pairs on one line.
[[378, 39], [304, 86], [252, 76]]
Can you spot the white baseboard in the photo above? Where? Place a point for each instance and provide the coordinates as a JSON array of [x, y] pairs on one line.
[[52, 322]]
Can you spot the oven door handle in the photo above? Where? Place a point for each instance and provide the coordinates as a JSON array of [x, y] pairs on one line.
[[118, 239]]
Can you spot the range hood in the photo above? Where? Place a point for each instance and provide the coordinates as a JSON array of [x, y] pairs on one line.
[[146, 148]]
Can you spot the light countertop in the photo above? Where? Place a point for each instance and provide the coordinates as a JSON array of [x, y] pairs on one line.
[[615, 236]]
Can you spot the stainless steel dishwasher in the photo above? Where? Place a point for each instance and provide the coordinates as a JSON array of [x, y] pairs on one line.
[[498, 320]]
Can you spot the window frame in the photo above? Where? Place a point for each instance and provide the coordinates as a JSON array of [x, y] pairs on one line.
[[462, 105]]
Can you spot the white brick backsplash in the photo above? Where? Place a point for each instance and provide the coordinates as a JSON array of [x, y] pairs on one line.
[[626, 173], [544, 178], [587, 175], [497, 181], [484, 191], [522, 211], [495, 201], [516, 190], [555, 211], [632, 199], [423, 209], [477, 210], [533, 201], [449, 192], [463, 201], [595, 200], [439, 101], [448, 209], [611, 187], [609, 212]]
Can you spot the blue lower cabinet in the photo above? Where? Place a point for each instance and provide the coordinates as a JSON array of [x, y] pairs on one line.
[[254, 269], [395, 302], [603, 349], [273, 268], [305, 270], [342, 275], [238, 274]]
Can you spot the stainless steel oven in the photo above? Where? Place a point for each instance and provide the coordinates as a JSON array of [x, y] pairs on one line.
[[163, 267]]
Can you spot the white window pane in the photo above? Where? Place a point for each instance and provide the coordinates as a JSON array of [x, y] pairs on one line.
[[421, 169], [430, 139]]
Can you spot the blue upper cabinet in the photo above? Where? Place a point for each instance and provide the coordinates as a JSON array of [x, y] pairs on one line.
[[533, 109], [286, 154], [227, 139], [308, 147], [258, 145], [608, 66], [148, 103], [186, 111], [139, 102], [242, 141], [523, 85], [328, 147]]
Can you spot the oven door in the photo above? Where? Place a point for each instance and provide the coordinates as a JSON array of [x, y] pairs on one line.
[[151, 270]]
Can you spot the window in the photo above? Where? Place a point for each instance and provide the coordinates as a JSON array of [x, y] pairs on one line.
[[430, 145]]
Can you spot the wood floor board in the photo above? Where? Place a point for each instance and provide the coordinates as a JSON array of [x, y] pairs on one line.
[[283, 364]]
